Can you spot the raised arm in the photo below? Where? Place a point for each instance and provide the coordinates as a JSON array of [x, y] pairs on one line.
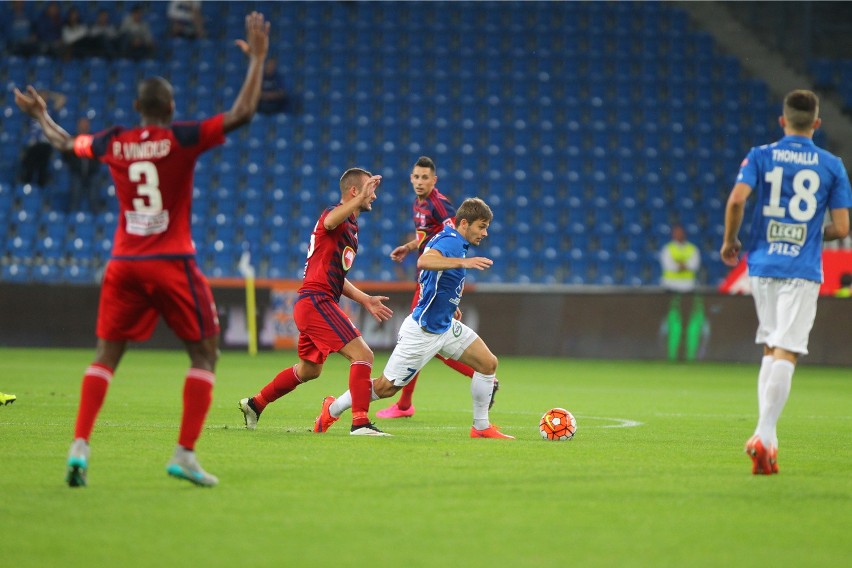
[[255, 46], [364, 195], [34, 105]]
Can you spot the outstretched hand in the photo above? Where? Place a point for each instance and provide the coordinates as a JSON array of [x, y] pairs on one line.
[[478, 262], [399, 253], [256, 43], [31, 103], [377, 309]]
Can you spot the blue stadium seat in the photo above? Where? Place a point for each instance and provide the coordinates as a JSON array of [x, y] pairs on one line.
[[16, 272]]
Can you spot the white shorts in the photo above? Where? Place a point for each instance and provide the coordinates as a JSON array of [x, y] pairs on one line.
[[416, 347], [786, 309]]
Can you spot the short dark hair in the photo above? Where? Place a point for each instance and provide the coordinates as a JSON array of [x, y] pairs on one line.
[[154, 97], [350, 177], [425, 162], [801, 108], [473, 209]]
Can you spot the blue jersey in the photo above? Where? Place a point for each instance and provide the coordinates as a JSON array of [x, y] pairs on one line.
[[795, 182], [441, 290]]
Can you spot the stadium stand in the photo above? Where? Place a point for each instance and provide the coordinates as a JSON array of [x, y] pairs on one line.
[[589, 127]]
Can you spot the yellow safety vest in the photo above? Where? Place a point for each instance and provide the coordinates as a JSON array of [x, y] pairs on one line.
[[681, 253]]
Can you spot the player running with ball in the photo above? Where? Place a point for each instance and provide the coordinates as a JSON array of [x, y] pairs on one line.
[[433, 328]]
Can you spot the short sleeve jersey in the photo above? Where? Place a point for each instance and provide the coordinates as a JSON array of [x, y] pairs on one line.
[[441, 290], [152, 168], [795, 182], [431, 215], [330, 256]]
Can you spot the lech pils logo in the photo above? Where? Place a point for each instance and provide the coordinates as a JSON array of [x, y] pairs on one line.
[[795, 233], [347, 258]]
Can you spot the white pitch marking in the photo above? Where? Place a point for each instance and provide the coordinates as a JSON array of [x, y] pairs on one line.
[[619, 422]]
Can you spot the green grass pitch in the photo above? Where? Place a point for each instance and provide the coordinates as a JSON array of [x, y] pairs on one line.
[[655, 476]]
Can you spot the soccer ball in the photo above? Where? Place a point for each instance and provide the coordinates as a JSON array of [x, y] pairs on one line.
[[557, 424]]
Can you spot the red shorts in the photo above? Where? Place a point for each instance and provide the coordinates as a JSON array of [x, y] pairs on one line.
[[323, 327], [134, 292]]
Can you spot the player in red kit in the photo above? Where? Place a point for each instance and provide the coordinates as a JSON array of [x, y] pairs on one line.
[[432, 212], [323, 326], [153, 270]]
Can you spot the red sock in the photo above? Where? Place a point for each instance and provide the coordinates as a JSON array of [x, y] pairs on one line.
[[465, 370], [404, 402], [197, 395], [284, 382], [93, 392], [361, 390]]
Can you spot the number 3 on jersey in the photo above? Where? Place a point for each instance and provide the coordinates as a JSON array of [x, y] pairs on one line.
[[145, 175], [803, 204], [148, 216]]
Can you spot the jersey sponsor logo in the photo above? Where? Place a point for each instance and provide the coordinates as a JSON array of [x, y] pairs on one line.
[[347, 258], [787, 232], [457, 328], [791, 157], [784, 249], [144, 224]]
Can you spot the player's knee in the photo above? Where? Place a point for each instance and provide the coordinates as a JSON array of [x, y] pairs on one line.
[[307, 372], [365, 354], [489, 365]]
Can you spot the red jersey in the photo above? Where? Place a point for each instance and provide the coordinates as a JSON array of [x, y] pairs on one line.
[[330, 256], [431, 215], [153, 168]]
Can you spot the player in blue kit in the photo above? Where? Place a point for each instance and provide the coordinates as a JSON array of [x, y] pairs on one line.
[[795, 183], [433, 328]]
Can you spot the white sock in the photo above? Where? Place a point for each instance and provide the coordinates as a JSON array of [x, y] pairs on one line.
[[344, 401], [762, 380], [777, 391], [480, 389]]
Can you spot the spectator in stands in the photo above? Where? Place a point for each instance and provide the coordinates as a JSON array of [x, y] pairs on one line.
[[35, 159], [680, 261], [105, 38], [273, 97], [75, 35], [136, 37], [84, 176], [22, 39], [48, 30], [185, 19]]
